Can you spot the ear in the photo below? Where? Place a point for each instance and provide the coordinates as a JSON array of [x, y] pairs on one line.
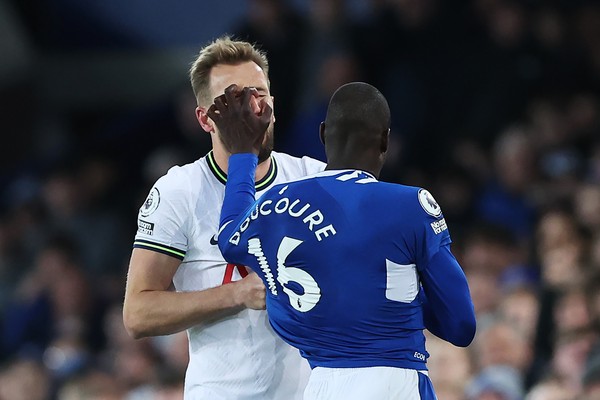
[[322, 133], [204, 120], [385, 140]]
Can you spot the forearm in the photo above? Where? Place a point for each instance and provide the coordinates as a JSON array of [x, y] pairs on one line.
[[239, 189], [432, 324], [239, 196], [448, 308], [157, 312]]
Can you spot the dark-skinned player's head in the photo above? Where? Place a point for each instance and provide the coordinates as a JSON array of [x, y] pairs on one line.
[[356, 129]]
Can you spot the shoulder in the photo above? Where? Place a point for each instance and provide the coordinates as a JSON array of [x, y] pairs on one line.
[[181, 181], [301, 166], [399, 192], [179, 176], [172, 195], [416, 200]]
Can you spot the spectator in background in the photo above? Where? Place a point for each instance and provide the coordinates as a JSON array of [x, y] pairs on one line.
[[587, 206], [501, 344], [485, 293], [25, 379], [79, 200], [450, 367], [55, 302], [549, 389], [571, 351], [506, 198], [329, 31], [559, 248], [326, 61], [92, 384], [496, 383], [495, 263], [519, 306], [571, 310], [456, 189], [281, 31], [302, 138], [493, 248]]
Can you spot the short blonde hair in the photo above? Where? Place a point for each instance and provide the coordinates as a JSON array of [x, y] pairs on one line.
[[223, 50]]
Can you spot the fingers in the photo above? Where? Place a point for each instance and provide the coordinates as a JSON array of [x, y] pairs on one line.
[[242, 112], [220, 103], [246, 103], [213, 113], [231, 94], [231, 99]]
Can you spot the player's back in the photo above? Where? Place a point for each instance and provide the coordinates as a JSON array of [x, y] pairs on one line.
[[338, 253]]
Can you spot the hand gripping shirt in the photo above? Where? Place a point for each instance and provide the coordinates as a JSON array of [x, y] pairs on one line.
[[238, 357]]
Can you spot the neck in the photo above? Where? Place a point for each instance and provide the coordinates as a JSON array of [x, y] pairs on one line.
[[367, 164], [222, 160]]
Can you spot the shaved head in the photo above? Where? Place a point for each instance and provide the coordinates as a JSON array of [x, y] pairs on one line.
[[358, 108], [356, 128]]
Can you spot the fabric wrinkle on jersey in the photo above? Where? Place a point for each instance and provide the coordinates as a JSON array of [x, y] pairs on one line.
[[237, 357]]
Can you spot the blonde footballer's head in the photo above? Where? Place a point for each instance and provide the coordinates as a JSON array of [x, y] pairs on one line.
[[220, 64]]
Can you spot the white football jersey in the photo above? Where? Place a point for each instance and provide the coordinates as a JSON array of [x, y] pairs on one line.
[[238, 357]]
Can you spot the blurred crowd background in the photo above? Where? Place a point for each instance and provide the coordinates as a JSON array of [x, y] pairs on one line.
[[496, 110]]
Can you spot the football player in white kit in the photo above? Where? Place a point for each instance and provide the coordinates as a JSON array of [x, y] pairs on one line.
[[177, 277]]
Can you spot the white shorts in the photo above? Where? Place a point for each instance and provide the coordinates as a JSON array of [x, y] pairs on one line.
[[371, 383]]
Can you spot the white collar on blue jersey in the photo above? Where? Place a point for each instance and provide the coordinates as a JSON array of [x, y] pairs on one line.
[[332, 172]]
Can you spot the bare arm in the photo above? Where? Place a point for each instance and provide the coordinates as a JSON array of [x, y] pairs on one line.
[[152, 309]]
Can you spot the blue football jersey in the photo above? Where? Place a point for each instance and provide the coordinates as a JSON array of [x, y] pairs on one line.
[[342, 255]]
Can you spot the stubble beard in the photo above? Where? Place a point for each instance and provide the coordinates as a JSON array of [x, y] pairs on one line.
[[267, 146]]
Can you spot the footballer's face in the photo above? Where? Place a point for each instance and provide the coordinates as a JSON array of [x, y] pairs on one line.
[[247, 74]]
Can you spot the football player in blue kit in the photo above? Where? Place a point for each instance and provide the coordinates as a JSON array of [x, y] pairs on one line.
[[355, 269]]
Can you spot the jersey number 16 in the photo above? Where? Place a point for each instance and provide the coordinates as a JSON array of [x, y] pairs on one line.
[[311, 293]]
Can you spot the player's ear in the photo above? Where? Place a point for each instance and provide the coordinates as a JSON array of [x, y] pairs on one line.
[[322, 132], [204, 120], [385, 140]]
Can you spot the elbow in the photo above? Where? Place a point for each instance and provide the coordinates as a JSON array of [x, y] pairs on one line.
[[134, 324], [464, 332]]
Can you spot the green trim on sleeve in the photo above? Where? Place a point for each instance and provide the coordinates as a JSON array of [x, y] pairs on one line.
[[170, 251]]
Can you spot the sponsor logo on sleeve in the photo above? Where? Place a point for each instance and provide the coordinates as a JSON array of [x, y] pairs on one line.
[[429, 204], [145, 227], [151, 203], [439, 226]]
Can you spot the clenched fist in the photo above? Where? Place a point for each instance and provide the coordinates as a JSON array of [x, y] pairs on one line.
[[251, 292]]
